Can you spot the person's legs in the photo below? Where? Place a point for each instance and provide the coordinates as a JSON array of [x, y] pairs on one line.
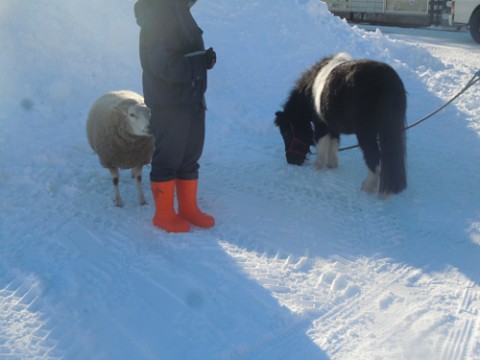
[[187, 175], [170, 128], [165, 216]]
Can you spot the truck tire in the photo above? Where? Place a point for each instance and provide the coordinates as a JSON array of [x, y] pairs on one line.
[[475, 25]]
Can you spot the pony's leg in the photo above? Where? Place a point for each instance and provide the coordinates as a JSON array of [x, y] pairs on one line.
[[371, 153], [370, 184], [323, 148], [332, 162]]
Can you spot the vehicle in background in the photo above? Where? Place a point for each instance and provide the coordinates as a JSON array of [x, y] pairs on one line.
[[466, 13], [392, 12]]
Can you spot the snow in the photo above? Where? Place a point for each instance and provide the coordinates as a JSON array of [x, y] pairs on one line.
[[300, 265]]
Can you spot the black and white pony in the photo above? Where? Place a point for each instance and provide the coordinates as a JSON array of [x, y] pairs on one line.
[[339, 95]]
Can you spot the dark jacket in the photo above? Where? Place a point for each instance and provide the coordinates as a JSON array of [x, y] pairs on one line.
[[173, 73]]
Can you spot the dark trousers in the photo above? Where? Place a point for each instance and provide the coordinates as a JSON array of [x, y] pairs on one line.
[[179, 137]]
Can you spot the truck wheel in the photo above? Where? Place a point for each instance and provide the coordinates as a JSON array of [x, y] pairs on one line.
[[475, 26]]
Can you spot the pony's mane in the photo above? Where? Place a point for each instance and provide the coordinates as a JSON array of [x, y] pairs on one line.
[[305, 83]]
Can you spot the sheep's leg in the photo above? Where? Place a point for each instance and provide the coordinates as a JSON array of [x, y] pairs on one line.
[[137, 174], [115, 180]]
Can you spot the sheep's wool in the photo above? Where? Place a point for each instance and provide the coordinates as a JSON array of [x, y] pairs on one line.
[[110, 137]]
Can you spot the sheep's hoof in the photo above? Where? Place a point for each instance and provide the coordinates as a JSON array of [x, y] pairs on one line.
[[141, 200], [119, 203]]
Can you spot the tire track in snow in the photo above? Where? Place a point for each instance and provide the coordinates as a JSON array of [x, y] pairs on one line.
[[353, 318], [24, 333], [352, 297], [465, 326], [336, 302], [291, 334]]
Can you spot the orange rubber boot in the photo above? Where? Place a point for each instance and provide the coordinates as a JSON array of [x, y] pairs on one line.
[[165, 216], [187, 204]]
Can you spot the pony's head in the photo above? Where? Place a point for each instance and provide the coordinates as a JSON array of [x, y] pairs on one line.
[[296, 136]]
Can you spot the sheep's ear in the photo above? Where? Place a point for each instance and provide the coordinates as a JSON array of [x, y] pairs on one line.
[[146, 111], [122, 110]]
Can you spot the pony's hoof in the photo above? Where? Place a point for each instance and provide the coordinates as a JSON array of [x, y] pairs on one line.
[[385, 195], [368, 187], [319, 163], [370, 184], [332, 164]]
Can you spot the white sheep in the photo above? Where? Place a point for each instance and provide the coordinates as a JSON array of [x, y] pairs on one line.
[[118, 131]]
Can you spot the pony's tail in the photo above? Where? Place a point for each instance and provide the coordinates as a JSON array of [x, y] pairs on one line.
[[392, 138]]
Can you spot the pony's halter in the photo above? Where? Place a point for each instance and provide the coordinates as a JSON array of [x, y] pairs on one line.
[[297, 146]]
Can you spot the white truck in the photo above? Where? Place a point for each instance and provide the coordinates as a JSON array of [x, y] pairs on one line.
[[466, 13]]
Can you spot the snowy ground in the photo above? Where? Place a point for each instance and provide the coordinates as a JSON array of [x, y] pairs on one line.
[[301, 263]]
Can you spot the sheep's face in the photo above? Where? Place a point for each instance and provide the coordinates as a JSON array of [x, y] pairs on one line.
[[138, 116]]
